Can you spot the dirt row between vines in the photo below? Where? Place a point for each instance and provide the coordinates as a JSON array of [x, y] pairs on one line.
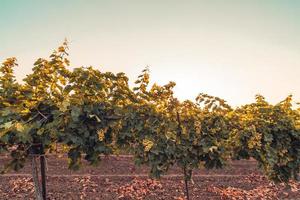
[[118, 178]]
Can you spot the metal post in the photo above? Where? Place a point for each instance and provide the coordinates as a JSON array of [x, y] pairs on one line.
[[43, 173]]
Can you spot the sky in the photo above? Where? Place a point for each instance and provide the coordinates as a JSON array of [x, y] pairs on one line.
[[232, 49]]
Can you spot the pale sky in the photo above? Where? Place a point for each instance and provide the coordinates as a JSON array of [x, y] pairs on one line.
[[230, 49]]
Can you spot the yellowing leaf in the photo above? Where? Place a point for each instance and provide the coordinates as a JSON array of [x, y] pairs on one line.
[[64, 106], [101, 134], [148, 144], [19, 127], [40, 131]]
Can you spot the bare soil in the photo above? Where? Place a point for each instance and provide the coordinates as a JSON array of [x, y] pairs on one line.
[[118, 178]]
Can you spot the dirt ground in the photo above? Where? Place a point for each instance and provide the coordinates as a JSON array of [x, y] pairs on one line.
[[118, 178]]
